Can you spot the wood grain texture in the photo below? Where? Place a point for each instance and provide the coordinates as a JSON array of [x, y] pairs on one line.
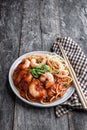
[[49, 22], [30, 25], [73, 17], [30, 118], [50, 29], [78, 120], [31, 33], [73, 14], [36, 29], [10, 15]]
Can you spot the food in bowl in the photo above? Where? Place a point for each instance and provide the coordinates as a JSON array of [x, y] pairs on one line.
[[42, 78]]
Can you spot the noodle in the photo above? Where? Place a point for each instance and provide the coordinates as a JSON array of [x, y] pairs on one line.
[[53, 66]]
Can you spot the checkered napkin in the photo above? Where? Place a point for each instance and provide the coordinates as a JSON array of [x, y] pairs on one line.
[[79, 63]]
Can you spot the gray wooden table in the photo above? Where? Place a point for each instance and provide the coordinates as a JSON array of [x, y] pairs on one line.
[[28, 25]]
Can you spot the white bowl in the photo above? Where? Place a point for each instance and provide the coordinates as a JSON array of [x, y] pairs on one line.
[[66, 96]]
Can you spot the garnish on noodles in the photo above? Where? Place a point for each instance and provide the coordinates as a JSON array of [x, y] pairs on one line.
[[37, 71], [42, 78]]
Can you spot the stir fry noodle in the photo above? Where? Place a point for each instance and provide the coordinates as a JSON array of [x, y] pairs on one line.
[[42, 78]]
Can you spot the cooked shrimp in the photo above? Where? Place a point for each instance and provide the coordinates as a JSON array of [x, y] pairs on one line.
[[48, 77], [34, 63], [36, 90], [24, 64], [28, 78], [18, 75]]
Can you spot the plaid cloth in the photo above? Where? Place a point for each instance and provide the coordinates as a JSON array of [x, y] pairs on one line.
[[79, 63]]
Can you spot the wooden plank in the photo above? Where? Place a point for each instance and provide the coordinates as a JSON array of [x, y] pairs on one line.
[[30, 40], [73, 23], [10, 17], [49, 22], [73, 14], [26, 117], [38, 35], [50, 29], [78, 120]]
